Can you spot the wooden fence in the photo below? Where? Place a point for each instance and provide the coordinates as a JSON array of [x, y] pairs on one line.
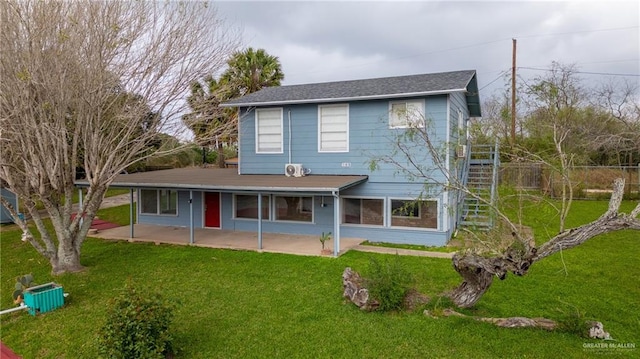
[[588, 182]]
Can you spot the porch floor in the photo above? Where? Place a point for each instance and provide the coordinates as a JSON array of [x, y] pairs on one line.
[[215, 238]]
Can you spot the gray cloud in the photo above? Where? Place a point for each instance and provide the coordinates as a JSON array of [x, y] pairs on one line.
[[328, 41]]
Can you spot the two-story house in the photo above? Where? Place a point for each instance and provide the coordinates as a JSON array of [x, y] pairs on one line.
[[304, 167]]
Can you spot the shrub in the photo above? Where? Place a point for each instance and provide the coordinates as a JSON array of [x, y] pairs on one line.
[[388, 283], [572, 320], [137, 325]]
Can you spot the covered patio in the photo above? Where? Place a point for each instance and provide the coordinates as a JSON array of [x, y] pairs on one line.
[[238, 240], [196, 181]]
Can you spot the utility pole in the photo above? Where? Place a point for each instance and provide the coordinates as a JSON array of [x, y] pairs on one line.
[[513, 95]]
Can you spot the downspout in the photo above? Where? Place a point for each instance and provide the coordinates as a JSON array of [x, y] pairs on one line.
[[336, 223]]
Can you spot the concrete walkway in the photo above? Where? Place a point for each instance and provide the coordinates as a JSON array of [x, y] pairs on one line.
[[402, 252], [217, 238]]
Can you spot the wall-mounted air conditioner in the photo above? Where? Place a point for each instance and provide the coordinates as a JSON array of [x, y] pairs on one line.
[[294, 170], [461, 151]]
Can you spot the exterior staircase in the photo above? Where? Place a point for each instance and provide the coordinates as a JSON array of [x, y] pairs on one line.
[[481, 178]]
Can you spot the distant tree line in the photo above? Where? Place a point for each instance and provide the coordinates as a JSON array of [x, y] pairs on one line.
[[599, 124]]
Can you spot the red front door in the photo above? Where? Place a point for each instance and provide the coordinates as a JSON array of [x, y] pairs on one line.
[[212, 209]]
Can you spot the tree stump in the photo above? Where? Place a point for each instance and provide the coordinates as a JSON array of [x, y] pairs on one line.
[[355, 292]]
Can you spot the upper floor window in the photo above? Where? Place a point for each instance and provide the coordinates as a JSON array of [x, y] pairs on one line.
[[333, 128], [269, 138], [404, 114], [159, 202]]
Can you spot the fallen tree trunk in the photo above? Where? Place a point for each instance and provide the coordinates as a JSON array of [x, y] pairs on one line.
[[478, 270], [594, 330]]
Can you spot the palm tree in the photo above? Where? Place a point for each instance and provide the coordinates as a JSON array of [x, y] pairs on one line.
[[210, 123], [248, 71], [251, 70]]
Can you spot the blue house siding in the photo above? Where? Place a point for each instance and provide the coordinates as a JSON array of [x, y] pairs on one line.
[[369, 137], [458, 130]]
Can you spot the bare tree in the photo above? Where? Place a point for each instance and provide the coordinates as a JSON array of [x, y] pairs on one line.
[[619, 100], [507, 248], [69, 73]]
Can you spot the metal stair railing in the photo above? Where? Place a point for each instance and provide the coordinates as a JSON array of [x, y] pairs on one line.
[[480, 177]]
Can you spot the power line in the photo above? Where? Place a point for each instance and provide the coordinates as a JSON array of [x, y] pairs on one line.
[[502, 73], [578, 32], [583, 72]]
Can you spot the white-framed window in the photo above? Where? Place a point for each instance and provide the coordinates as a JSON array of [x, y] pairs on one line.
[[158, 201], [333, 128], [404, 114], [269, 137], [365, 211], [414, 213], [245, 206], [460, 120], [293, 208]]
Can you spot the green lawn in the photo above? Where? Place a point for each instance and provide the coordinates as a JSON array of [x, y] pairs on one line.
[[236, 304]]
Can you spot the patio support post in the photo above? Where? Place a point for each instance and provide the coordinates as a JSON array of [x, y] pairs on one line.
[[336, 223], [259, 221], [191, 217], [80, 206], [131, 213]]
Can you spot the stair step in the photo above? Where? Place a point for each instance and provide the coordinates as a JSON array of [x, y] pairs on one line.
[[476, 224]]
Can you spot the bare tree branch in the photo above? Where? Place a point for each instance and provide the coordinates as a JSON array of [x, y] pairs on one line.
[[90, 86]]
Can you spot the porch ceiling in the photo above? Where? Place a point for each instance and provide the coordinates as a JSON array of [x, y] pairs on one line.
[[222, 179]]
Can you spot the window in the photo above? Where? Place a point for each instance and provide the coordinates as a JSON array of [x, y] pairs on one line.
[[409, 213], [159, 202], [406, 114], [363, 211], [299, 209], [269, 130], [246, 206], [333, 128]]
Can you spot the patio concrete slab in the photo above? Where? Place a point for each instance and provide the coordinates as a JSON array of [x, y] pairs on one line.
[[215, 238]]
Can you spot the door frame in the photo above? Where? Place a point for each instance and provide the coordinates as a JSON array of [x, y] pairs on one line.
[[204, 210]]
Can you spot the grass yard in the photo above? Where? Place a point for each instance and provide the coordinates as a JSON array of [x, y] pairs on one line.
[[236, 304]]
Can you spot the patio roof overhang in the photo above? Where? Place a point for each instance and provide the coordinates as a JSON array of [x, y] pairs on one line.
[[228, 180]]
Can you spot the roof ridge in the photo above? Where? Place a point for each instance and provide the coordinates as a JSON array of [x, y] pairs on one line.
[[359, 89]]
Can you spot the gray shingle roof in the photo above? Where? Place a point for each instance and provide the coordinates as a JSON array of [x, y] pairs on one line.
[[388, 87], [197, 178]]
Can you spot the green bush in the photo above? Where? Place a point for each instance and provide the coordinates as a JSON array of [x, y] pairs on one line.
[[137, 325], [388, 283], [572, 320]]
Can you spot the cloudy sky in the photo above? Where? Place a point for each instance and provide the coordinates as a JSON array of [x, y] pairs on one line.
[[332, 41]]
